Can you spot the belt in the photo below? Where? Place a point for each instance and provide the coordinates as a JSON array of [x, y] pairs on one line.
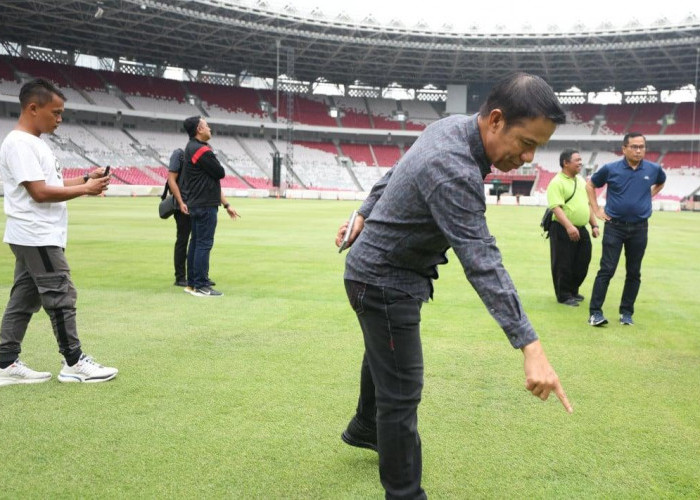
[[620, 222]]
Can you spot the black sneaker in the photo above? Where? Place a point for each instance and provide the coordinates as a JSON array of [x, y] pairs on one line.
[[572, 302], [210, 282], [626, 319], [206, 291], [579, 297], [359, 435], [597, 319]]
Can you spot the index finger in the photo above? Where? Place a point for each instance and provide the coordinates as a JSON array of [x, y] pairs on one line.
[[559, 391]]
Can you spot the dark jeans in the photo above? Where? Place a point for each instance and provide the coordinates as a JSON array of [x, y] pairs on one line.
[[570, 260], [203, 221], [633, 237], [391, 382], [182, 222]]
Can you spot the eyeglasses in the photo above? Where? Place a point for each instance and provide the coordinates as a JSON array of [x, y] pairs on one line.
[[636, 147]]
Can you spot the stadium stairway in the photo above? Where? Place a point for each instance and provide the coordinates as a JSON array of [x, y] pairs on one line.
[[228, 165], [351, 172], [290, 168]]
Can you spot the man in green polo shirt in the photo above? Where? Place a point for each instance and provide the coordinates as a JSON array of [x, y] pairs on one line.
[[569, 241]]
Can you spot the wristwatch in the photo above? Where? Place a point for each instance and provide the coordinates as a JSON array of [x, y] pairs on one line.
[[86, 177], [226, 205]]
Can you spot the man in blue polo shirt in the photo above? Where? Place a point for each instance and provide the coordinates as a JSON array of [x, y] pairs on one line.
[[632, 183]]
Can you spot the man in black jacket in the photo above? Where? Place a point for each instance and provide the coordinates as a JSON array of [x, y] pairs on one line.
[[202, 194]]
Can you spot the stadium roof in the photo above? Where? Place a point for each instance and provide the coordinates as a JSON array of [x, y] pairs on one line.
[[219, 36]]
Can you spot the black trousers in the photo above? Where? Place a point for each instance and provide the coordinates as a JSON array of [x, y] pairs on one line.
[[633, 238], [184, 227], [391, 382], [570, 260]]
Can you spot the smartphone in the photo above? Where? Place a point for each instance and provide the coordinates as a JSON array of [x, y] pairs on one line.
[[348, 232], [106, 172]]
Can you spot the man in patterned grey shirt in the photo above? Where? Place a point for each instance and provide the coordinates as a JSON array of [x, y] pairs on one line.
[[433, 199]]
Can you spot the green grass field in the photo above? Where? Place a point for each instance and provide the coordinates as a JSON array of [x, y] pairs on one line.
[[245, 396]]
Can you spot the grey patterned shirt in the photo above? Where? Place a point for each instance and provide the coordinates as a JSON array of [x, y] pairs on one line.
[[433, 199]]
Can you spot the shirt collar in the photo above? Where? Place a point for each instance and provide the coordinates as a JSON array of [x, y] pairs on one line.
[[627, 165], [476, 146]]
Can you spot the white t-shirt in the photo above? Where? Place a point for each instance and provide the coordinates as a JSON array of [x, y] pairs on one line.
[[25, 157]]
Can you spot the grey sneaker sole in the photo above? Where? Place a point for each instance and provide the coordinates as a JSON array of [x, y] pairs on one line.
[[16, 381], [200, 294], [598, 323], [74, 378]]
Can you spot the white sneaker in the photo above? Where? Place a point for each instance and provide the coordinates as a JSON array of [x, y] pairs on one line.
[[19, 373], [86, 370]]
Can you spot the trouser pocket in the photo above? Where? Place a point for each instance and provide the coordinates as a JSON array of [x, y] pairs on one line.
[[56, 290], [356, 293]]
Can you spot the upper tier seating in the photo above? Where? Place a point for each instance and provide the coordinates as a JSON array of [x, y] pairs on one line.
[[382, 113], [86, 78], [617, 117], [584, 112], [387, 156], [6, 71], [360, 153], [420, 114], [647, 118], [105, 99], [680, 159], [309, 110], [353, 112], [147, 86], [228, 102], [33, 67], [684, 120], [157, 105]]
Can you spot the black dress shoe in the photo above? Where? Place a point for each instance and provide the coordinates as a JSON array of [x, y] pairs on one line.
[[180, 283], [360, 435], [572, 302], [579, 297]]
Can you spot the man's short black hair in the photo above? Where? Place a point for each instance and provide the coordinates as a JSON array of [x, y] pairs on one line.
[[190, 124], [40, 91], [523, 96], [632, 135], [566, 156]]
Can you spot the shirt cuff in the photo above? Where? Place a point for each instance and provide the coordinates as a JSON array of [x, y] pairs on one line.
[[521, 335]]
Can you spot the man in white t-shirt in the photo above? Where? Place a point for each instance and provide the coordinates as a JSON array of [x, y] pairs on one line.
[[36, 230]]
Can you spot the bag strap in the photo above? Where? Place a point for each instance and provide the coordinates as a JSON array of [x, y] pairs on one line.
[[567, 200], [572, 194]]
